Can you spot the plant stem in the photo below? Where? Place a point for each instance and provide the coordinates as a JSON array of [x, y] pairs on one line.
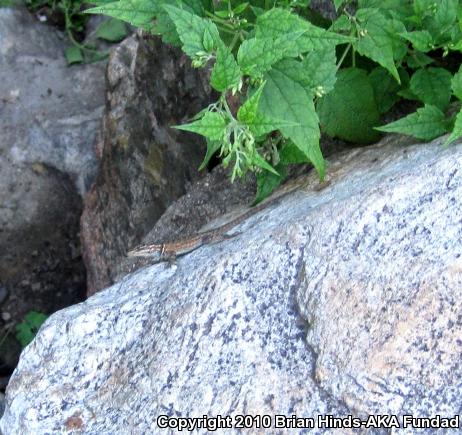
[[342, 58]]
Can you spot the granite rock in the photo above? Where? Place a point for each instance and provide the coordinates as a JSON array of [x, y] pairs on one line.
[[341, 299]]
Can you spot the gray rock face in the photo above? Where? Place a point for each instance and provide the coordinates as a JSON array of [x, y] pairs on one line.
[[49, 112], [343, 300]]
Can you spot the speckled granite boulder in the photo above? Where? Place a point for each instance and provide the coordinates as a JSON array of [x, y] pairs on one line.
[[341, 301]]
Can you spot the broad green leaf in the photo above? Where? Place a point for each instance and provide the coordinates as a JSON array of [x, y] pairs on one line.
[[257, 55], [225, 73], [208, 41], [320, 68], [456, 84], [385, 89], [259, 123], [112, 30], [423, 8], [426, 123], [139, 13], [417, 60], [432, 86], [295, 71], [316, 73], [194, 6], [446, 14], [338, 3], [73, 55], [212, 125], [457, 131], [212, 147], [285, 99], [377, 39], [399, 46], [342, 24], [278, 22], [268, 181], [421, 40], [193, 31], [350, 111], [439, 18]]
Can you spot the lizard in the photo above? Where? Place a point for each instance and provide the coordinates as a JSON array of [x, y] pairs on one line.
[[168, 251]]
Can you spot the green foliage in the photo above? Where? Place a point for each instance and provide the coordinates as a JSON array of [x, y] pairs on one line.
[[350, 118], [281, 72], [426, 124], [28, 328]]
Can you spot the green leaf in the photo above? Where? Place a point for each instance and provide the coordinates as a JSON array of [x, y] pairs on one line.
[[423, 8], [426, 123], [268, 181], [422, 40], [456, 84], [259, 123], [457, 130], [321, 70], [285, 99], [194, 31], [338, 3], [212, 125], [342, 24], [417, 60], [258, 160], [257, 11], [279, 22], [225, 73], [385, 89], [350, 111], [398, 8], [212, 147], [240, 8], [28, 328], [73, 55], [222, 13], [432, 86], [248, 111], [290, 154], [377, 39], [139, 13], [166, 28], [257, 55], [446, 14], [407, 94], [316, 73], [112, 30]]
